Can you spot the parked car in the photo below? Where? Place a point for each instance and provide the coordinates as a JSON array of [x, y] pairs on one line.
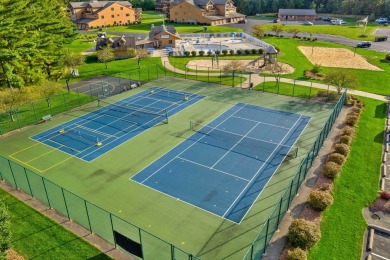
[[276, 20], [338, 22], [383, 23], [381, 20], [364, 44], [242, 21], [308, 23], [150, 50]]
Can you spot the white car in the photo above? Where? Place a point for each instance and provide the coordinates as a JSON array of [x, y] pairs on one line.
[[308, 23], [381, 20], [337, 22]]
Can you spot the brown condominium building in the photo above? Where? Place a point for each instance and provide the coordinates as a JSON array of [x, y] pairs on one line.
[[162, 6], [212, 12], [94, 14]]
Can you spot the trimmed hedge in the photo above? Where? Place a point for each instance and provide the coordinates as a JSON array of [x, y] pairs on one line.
[[319, 200], [296, 254], [352, 120], [349, 131], [342, 149], [303, 233], [385, 195], [326, 187], [331, 170], [345, 139], [337, 158]]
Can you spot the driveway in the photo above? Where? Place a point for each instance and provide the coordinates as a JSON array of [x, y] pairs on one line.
[[377, 46]]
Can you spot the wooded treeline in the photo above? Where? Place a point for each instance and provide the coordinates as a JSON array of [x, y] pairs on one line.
[[374, 8]]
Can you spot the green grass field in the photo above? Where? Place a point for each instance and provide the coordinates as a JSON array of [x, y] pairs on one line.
[[36, 236], [107, 177], [343, 224]]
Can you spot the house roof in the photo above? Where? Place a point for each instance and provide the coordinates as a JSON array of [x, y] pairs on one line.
[[118, 43], [297, 12], [271, 50], [162, 28], [98, 4]]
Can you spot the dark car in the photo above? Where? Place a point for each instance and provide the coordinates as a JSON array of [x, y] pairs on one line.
[[363, 44], [242, 21]]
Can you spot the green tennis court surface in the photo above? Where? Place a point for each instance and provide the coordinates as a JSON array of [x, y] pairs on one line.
[[105, 182]]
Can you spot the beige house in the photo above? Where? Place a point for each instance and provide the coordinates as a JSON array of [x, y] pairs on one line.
[[211, 12], [120, 45], [297, 14], [163, 36], [94, 14]]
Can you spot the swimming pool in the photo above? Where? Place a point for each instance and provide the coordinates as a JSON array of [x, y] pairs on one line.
[[234, 41], [210, 47]]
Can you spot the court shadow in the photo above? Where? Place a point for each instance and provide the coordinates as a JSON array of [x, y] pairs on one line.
[[380, 110], [379, 137]]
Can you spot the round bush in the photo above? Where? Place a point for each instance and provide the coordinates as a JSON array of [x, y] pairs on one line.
[[231, 52], [239, 52], [187, 53], [347, 131], [303, 233], [193, 53], [247, 52], [322, 93], [352, 120], [253, 51], [385, 195], [345, 139], [261, 51], [331, 170], [357, 110], [342, 149], [296, 254], [337, 158], [224, 52], [319, 200], [325, 187], [217, 52], [387, 57], [209, 53], [201, 53]]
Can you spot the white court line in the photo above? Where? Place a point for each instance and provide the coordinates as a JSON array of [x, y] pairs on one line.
[[188, 147], [231, 148], [263, 123], [256, 174], [380, 256], [205, 166], [92, 130]]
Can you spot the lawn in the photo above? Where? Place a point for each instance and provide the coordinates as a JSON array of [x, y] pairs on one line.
[[36, 236], [369, 81], [151, 17], [287, 89], [343, 225], [81, 44]]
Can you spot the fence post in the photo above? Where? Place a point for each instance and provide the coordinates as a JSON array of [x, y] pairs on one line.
[[280, 208], [47, 196], [220, 77], [289, 196], [140, 241], [172, 252], [89, 221], [208, 74], [17, 118], [12, 173], [311, 85], [35, 114], [196, 72], [28, 182], [112, 229], [66, 205], [78, 98], [66, 106], [266, 236], [157, 71], [139, 75], [233, 80], [148, 74], [251, 251]]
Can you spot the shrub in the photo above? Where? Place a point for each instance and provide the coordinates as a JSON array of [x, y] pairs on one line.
[[337, 158], [193, 53], [342, 149], [231, 52], [349, 100], [322, 93], [325, 187], [201, 53], [357, 110], [331, 170], [209, 53], [261, 51], [304, 38], [352, 120], [319, 200], [332, 96], [247, 52], [387, 57], [348, 131], [319, 74], [345, 139], [187, 53], [316, 69], [277, 48], [253, 51], [302, 233], [239, 52], [224, 52], [360, 104], [296, 254], [385, 195], [217, 52]]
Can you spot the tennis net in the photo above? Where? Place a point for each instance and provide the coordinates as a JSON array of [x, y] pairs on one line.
[[131, 112], [242, 144], [170, 95], [77, 134]]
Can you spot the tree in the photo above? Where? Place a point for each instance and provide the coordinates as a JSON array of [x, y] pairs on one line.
[[106, 55], [47, 89], [5, 231], [258, 30], [141, 54], [276, 70], [131, 52], [11, 99], [295, 32], [277, 28], [232, 65], [72, 59], [341, 80]]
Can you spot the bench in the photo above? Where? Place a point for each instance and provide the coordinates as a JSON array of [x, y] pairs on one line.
[[133, 85], [47, 118]]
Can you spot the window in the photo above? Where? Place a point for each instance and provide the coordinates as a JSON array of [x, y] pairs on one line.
[[128, 21], [127, 14], [112, 16], [121, 8], [112, 8], [170, 41], [102, 17]]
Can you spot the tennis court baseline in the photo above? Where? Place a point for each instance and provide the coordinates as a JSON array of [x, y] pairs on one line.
[[223, 167], [97, 132]]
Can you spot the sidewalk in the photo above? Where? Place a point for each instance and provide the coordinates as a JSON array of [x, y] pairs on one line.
[[257, 79]]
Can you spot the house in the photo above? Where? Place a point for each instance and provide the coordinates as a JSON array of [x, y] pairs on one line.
[[120, 45], [163, 36], [212, 12], [94, 14], [162, 6], [297, 14]]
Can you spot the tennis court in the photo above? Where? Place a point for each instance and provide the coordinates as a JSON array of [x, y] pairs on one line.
[[100, 131], [223, 167]]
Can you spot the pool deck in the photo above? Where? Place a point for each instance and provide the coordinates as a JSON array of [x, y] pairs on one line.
[[188, 42]]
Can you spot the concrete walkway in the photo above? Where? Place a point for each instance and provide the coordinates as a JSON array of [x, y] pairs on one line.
[[257, 79]]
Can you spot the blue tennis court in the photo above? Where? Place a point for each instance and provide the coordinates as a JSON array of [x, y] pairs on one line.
[[223, 167], [96, 133]]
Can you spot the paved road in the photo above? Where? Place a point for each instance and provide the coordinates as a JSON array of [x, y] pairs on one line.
[[377, 46]]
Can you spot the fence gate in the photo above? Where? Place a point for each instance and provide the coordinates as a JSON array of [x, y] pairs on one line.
[[127, 244]]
